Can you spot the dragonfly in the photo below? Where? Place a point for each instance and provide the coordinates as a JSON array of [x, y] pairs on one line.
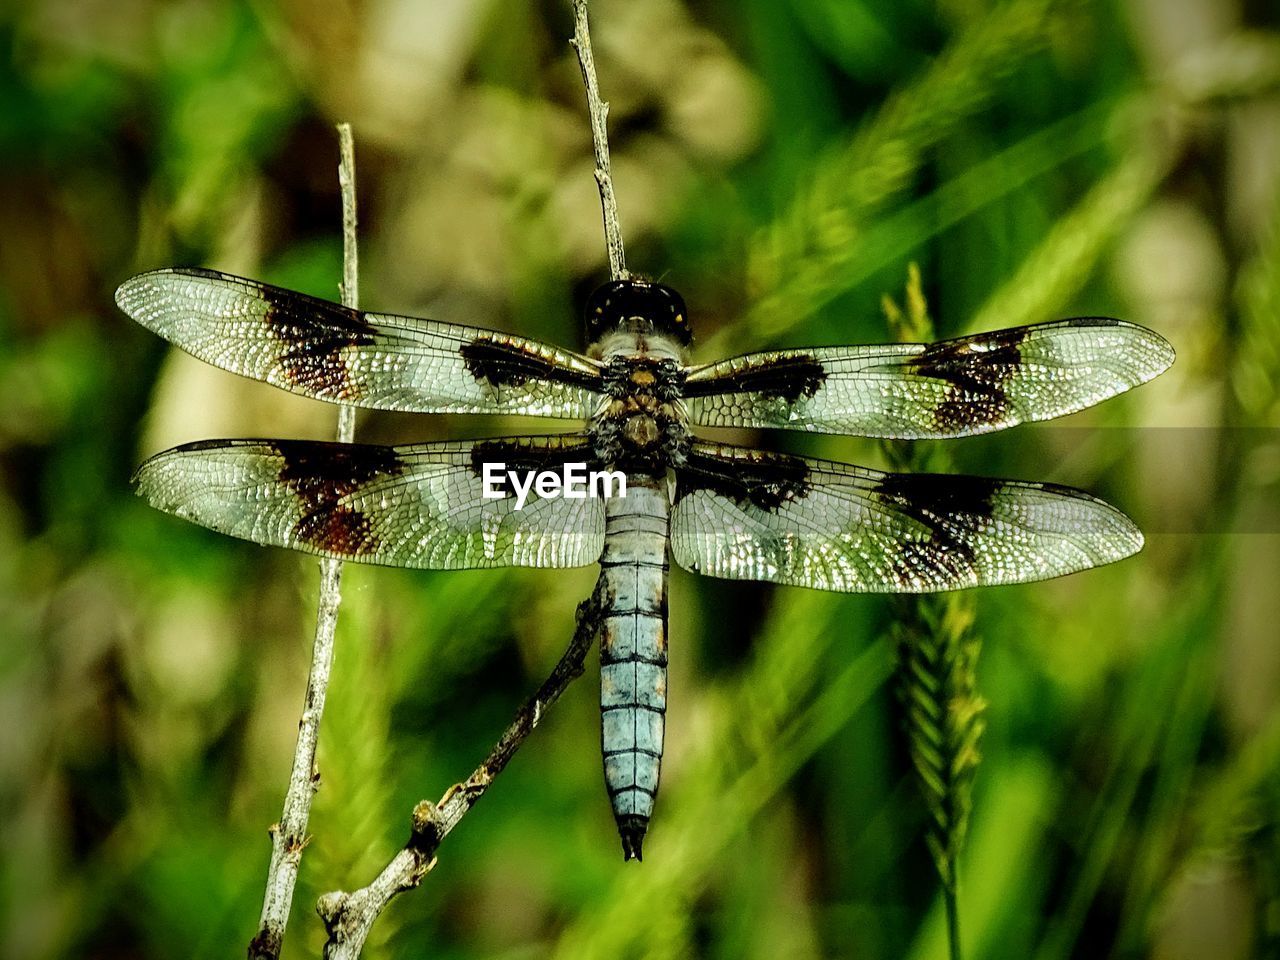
[[717, 509]]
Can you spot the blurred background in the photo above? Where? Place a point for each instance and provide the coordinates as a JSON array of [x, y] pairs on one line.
[[780, 162]]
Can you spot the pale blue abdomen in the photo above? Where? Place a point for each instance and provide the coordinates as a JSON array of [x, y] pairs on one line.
[[633, 653]]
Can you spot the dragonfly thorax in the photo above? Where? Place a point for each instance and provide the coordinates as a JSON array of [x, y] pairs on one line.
[[642, 426]]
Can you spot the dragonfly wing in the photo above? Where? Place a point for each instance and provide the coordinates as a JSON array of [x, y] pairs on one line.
[[951, 388], [408, 506], [325, 350], [750, 515]]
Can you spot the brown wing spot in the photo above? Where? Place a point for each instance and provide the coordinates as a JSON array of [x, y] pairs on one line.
[[976, 370], [315, 333], [338, 529], [322, 475]]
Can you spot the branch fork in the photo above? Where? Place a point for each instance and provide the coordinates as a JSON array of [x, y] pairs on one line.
[[349, 917]]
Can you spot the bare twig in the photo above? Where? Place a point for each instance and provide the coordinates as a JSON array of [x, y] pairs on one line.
[[348, 917], [599, 111], [289, 836], [350, 261]]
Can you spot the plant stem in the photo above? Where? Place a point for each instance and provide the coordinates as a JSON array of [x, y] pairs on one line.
[[599, 111], [348, 917], [289, 835], [937, 655], [949, 891], [350, 260]]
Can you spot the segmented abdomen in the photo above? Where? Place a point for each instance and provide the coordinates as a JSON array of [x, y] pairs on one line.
[[633, 653]]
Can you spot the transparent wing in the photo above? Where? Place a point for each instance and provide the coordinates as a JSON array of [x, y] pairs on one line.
[[410, 506], [325, 350], [951, 388], [750, 515]]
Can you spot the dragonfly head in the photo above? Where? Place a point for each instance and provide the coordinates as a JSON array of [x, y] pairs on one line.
[[638, 306]]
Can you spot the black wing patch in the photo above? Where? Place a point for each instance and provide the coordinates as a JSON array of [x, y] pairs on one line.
[[323, 478], [758, 479], [497, 361], [953, 510], [312, 334], [977, 393], [784, 376]]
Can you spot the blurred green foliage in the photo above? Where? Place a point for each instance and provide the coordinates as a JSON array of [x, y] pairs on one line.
[[779, 161]]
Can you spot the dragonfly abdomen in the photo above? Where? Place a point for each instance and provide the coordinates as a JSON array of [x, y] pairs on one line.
[[633, 653]]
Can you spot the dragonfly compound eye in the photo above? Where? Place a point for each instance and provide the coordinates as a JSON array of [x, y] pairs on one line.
[[640, 306]]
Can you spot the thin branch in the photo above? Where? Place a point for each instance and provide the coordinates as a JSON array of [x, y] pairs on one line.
[[289, 836], [350, 261], [599, 111], [348, 917]]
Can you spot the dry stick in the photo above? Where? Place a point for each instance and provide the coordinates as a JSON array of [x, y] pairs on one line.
[[348, 917], [289, 836], [599, 111]]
